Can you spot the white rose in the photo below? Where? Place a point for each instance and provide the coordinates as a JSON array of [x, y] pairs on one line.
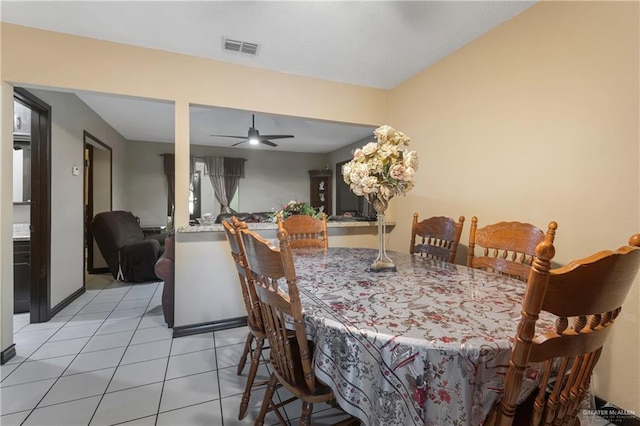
[[383, 133], [369, 148], [358, 172], [356, 189], [358, 155], [346, 171], [397, 171], [411, 159], [409, 174], [370, 185]]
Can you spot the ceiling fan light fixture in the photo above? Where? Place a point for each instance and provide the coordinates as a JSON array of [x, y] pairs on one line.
[[254, 137]]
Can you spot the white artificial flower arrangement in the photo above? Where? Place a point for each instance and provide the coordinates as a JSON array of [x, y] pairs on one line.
[[383, 169]]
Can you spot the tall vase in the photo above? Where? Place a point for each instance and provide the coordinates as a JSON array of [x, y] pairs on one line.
[[382, 263]]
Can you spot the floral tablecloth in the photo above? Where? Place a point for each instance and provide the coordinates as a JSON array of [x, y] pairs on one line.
[[427, 345]]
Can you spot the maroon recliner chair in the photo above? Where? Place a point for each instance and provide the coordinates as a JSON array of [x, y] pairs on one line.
[[165, 270]]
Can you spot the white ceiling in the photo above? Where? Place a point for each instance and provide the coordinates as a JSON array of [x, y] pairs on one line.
[[370, 43]]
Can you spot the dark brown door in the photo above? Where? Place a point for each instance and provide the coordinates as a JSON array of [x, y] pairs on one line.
[[97, 195], [40, 236]]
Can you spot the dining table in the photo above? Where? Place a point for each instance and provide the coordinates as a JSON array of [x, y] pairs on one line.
[[428, 344]]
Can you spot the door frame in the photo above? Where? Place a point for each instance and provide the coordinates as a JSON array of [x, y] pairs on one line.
[[89, 141], [40, 210]]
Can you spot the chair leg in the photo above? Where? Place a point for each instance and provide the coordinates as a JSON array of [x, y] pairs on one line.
[[253, 370], [305, 417], [266, 401], [245, 352]]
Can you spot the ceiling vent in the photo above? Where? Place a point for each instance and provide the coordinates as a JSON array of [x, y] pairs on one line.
[[239, 46]]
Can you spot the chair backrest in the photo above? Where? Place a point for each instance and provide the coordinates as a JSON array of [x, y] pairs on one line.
[[305, 231], [117, 228], [251, 303], [585, 296], [290, 356], [507, 247], [113, 230], [438, 237]]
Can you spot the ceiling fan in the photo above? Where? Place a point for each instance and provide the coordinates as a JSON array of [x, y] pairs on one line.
[[254, 137]]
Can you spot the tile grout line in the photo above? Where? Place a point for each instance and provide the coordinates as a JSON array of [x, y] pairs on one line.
[[123, 353], [215, 351], [56, 379], [74, 358], [80, 350], [148, 324], [164, 380]]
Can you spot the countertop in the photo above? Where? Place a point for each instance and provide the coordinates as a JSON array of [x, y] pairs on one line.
[[21, 232], [257, 226]]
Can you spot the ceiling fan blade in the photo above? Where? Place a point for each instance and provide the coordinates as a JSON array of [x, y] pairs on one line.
[[275, 136], [229, 136], [253, 134]]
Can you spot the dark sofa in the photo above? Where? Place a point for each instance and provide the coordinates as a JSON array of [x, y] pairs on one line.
[[246, 217], [130, 255]]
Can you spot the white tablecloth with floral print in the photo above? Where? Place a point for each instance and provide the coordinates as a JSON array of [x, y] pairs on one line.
[[427, 345]]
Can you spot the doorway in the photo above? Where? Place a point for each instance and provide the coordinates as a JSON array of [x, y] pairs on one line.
[[39, 205], [98, 192]]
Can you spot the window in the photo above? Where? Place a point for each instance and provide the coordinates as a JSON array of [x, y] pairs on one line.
[[194, 196]]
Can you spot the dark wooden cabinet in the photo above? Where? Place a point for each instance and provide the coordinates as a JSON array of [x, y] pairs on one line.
[[21, 276], [320, 193]]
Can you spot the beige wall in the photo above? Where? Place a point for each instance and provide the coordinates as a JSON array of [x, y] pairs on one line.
[[538, 121], [82, 63]]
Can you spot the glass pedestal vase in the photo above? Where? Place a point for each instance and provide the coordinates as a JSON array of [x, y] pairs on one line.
[[382, 263]]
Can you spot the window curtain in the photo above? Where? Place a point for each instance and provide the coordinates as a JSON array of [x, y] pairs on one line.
[[233, 172], [225, 175], [170, 172], [192, 167]]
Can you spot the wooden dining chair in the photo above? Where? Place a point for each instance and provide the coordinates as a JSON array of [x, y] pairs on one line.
[[507, 247], [291, 353], [585, 296], [305, 231], [438, 237], [254, 318]]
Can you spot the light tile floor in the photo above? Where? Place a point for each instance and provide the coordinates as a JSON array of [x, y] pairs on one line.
[[108, 358]]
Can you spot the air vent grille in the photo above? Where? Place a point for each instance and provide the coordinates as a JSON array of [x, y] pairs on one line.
[[238, 46]]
